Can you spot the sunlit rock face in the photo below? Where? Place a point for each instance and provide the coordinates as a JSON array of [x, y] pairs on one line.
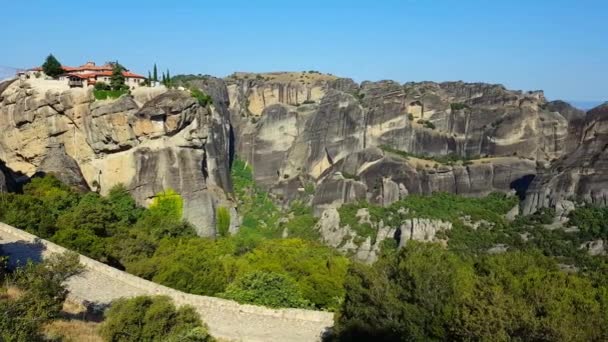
[[292, 143], [580, 175], [150, 141]]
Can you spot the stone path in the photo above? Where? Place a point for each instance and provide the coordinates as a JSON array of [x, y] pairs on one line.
[[100, 284]]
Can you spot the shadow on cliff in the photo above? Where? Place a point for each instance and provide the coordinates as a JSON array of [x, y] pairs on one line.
[[521, 186]]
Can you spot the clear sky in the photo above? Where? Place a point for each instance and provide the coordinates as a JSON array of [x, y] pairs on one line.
[[556, 45]]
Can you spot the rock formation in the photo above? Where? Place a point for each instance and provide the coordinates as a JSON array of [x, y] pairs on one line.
[[291, 143], [374, 141], [580, 175], [151, 141], [62, 166], [7, 183], [345, 239]]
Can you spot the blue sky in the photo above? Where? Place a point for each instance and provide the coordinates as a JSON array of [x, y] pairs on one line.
[[556, 45]]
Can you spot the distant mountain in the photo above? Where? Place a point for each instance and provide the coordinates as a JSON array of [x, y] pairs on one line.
[[7, 72], [585, 105]]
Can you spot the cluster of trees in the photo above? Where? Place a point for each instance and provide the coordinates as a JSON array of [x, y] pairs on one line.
[[427, 292], [40, 297], [157, 244], [165, 78]]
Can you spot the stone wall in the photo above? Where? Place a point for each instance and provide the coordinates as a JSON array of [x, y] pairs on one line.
[[226, 319]]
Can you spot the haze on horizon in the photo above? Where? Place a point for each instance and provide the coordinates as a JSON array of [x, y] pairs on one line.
[[558, 46]]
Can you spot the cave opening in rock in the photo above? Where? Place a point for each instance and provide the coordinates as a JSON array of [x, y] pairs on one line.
[[521, 185]]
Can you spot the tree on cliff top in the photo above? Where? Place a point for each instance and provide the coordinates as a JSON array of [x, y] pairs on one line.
[[52, 67], [117, 80]]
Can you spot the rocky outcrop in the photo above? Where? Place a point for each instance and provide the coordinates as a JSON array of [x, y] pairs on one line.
[[299, 143], [151, 141], [58, 163], [367, 249], [581, 175], [384, 178], [7, 183]]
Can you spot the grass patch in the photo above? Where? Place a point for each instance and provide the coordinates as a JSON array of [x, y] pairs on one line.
[[108, 94]]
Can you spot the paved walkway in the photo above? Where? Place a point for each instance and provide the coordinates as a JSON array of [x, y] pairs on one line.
[[100, 284]]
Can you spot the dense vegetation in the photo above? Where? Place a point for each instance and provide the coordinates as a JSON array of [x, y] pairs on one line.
[[156, 244], [427, 293], [152, 319], [539, 285], [39, 299]]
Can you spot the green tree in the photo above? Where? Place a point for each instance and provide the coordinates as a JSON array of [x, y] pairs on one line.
[[155, 74], [117, 80], [43, 295], [148, 318], [52, 67], [168, 79], [268, 289]]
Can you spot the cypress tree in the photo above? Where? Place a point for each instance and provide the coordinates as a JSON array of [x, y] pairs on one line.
[[52, 67], [168, 79], [155, 79]]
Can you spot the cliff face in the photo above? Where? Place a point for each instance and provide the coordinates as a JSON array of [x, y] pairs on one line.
[[378, 141], [151, 141], [581, 174], [384, 178], [291, 144]]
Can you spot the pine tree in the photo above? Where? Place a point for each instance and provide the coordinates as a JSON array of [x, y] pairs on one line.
[[52, 67], [155, 79], [117, 80]]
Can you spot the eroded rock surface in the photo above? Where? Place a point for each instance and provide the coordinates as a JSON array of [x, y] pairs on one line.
[[152, 141], [581, 175], [289, 141]]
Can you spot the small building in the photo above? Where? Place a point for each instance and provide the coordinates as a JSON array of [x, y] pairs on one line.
[[89, 74]]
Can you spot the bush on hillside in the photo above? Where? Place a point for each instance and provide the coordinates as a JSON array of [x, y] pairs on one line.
[[268, 289], [148, 318], [42, 295]]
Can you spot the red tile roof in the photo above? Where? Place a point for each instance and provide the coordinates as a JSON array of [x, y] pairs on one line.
[[104, 70]]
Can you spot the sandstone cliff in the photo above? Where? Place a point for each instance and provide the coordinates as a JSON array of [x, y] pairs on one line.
[[149, 142]]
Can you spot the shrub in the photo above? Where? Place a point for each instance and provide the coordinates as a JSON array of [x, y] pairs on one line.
[[222, 216], [42, 298], [101, 86], [109, 94], [148, 318], [458, 106], [168, 203], [268, 289], [202, 98]]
